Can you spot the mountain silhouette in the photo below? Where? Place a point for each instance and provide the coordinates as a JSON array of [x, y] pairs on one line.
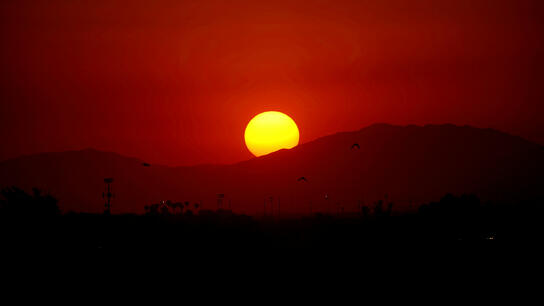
[[409, 165]]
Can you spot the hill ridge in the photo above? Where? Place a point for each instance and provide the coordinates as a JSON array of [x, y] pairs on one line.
[[413, 164]]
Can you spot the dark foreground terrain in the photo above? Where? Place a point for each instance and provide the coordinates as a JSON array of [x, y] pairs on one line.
[[33, 221]]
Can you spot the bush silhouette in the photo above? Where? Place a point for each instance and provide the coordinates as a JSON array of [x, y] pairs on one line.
[[18, 202], [453, 208]]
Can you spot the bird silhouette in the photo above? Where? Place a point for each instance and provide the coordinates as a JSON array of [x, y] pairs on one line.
[[146, 165], [355, 145], [302, 178]]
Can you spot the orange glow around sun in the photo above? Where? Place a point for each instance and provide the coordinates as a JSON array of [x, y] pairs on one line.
[[269, 132]]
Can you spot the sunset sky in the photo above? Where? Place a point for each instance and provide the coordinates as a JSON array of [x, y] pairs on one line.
[[176, 82]]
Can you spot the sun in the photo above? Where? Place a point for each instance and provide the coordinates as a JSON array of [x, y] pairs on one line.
[[269, 132]]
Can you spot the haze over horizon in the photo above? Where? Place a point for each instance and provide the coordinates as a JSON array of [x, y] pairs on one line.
[[251, 157], [412, 164]]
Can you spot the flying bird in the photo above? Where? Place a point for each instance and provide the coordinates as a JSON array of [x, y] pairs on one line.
[[355, 145], [146, 165], [302, 178]]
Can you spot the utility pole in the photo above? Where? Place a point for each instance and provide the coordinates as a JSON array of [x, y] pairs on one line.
[[279, 202], [220, 198], [107, 195], [328, 204]]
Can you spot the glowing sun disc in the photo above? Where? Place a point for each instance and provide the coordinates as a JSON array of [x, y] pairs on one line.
[[269, 132]]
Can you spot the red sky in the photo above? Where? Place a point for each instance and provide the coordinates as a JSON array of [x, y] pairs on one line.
[[176, 82]]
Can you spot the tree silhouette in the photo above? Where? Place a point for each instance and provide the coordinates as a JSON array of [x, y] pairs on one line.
[[378, 208], [389, 209], [152, 209], [164, 209], [179, 205], [18, 202], [458, 216], [365, 211]]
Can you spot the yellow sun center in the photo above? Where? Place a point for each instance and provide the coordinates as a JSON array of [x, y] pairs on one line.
[[269, 132]]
